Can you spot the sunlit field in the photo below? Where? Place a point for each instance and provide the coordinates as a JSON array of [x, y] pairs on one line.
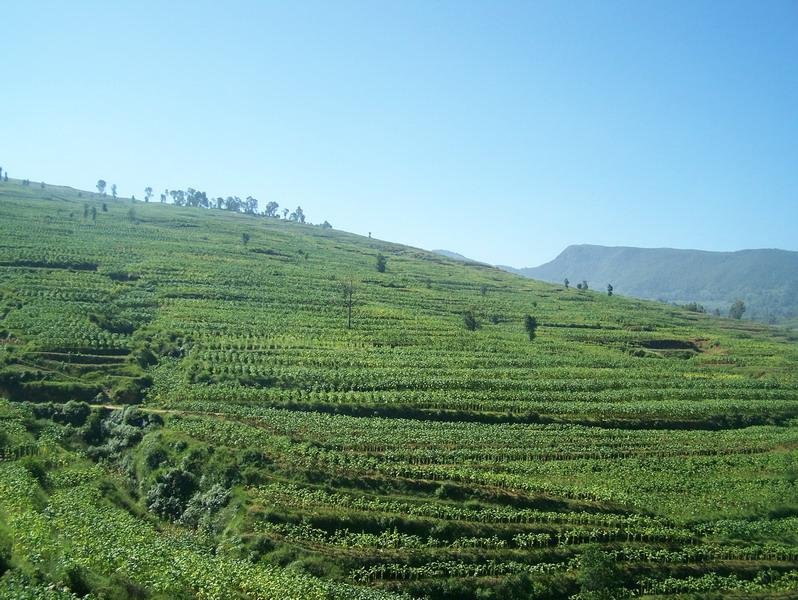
[[188, 414]]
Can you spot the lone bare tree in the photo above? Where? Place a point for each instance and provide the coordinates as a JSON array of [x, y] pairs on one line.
[[348, 291]]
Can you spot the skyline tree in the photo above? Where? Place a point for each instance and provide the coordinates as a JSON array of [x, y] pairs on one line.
[[298, 215], [271, 209]]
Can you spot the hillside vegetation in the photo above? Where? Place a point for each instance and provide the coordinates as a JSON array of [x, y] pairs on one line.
[[766, 280], [187, 414]]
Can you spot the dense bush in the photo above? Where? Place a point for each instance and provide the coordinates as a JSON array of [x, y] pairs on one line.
[[170, 495]]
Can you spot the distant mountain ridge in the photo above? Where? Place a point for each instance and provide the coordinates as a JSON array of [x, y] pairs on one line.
[[766, 280]]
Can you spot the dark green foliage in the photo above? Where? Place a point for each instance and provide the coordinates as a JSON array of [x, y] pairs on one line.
[[76, 579], [37, 468], [597, 571], [71, 413], [170, 495], [93, 428], [470, 320], [154, 457], [245, 237], [609, 289], [112, 323], [204, 505], [531, 326], [6, 552], [29, 385], [119, 431], [382, 261], [446, 491]]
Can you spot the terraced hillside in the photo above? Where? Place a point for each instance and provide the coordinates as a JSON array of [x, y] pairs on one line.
[[240, 441]]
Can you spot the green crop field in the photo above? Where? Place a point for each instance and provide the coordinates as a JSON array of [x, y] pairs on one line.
[[185, 413]]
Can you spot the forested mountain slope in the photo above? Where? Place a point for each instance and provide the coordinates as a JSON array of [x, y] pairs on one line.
[[766, 280], [241, 441]]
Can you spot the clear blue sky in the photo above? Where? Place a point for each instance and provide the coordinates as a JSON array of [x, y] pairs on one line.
[[501, 130]]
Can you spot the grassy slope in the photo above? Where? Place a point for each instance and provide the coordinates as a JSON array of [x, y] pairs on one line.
[[429, 413]]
